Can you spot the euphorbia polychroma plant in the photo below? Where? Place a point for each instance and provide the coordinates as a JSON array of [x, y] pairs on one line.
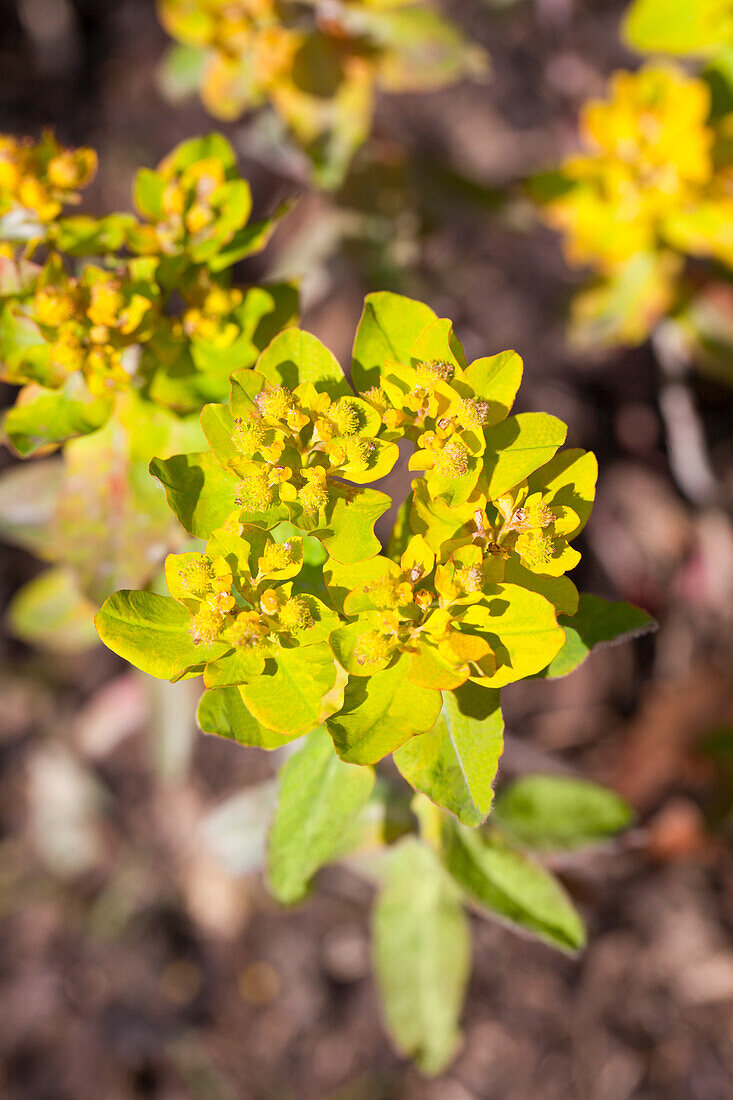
[[303, 626]]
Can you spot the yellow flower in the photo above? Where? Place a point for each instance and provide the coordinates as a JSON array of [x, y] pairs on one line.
[[648, 157]]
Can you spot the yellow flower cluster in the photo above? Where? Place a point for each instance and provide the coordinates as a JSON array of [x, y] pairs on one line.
[[92, 324], [262, 618], [292, 442], [648, 174], [42, 177]]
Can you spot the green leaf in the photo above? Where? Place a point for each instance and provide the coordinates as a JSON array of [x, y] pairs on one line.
[[222, 711], [52, 418], [596, 622], [422, 952], [81, 235], [512, 886], [194, 149], [250, 239], [237, 667], [296, 356], [517, 446], [684, 27], [455, 763], [319, 798], [181, 71], [288, 696], [50, 612], [351, 516], [557, 812], [389, 326], [148, 193], [151, 632], [380, 713], [200, 492]]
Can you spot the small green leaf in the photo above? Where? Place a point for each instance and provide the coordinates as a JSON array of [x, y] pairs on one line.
[[380, 713], [249, 240], [222, 711], [148, 193], [596, 622], [319, 799], [50, 612], [52, 418], [296, 356], [389, 326], [288, 696], [422, 950], [181, 71], [209, 146], [517, 446], [455, 763], [81, 235], [151, 632], [557, 812], [512, 886], [200, 492]]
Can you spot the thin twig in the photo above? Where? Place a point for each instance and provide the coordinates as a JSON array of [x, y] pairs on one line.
[[686, 445]]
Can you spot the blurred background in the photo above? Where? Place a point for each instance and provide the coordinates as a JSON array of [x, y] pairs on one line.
[[140, 955]]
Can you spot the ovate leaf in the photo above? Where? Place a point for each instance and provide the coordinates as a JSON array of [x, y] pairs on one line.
[[222, 711], [380, 713], [558, 812], [455, 763], [288, 696], [200, 492], [52, 418], [389, 326], [596, 622], [351, 515], [319, 798], [422, 954], [151, 632], [296, 356], [495, 379], [512, 886], [521, 628], [518, 446], [568, 481]]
